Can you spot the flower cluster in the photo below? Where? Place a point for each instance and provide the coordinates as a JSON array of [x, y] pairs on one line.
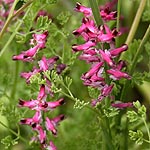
[[40, 105], [105, 69]]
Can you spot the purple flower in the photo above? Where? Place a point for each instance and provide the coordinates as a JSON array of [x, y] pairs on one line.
[[85, 10], [42, 134], [107, 15], [34, 121], [40, 39], [117, 51], [47, 64], [53, 104], [117, 74], [51, 146], [27, 55], [52, 123], [84, 46], [106, 57], [109, 35], [95, 68], [121, 105], [28, 75], [42, 93]]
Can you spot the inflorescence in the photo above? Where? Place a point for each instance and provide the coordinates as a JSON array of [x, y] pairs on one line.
[[40, 122], [100, 51]]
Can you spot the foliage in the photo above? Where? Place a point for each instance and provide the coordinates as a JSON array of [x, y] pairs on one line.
[[94, 115]]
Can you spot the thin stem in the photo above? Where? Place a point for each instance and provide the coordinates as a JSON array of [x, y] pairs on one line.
[[8, 19], [118, 20], [136, 22], [11, 15], [96, 11], [139, 50], [14, 87], [72, 98], [118, 14], [16, 134], [107, 137], [145, 38], [14, 33], [146, 141], [148, 132]]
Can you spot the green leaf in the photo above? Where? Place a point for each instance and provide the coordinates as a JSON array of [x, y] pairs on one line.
[[140, 108], [137, 104], [132, 116], [93, 92], [68, 81], [79, 104], [137, 78], [43, 23], [136, 136], [130, 53], [111, 112], [146, 15], [21, 38], [63, 17], [7, 141]]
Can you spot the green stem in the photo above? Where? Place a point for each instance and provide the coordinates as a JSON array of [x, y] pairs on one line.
[[146, 141], [14, 33], [145, 38], [118, 20], [139, 50], [106, 136], [96, 11], [14, 87], [148, 132], [136, 22], [12, 15], [72, 98], [8, 19], [16, 134]]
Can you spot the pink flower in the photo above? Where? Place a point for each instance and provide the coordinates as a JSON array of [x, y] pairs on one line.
[[107, 89], [106, 57], [95, 68], [117, 74], [28, 75], [32, 121], [8, 1], [117, 51], [40, 39], [52, 123], [84, 46], [85, 10], [109, 35], [30, 104], [42, 134], [55, 104], [27, 55], [51, 146], [42, 93], [50, 126], [47, 64], [121, 105], [90, 56], [107, 15]]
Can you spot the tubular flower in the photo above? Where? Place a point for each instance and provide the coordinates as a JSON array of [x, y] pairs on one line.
[[38, 41], [104, 66], [122, 105]]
